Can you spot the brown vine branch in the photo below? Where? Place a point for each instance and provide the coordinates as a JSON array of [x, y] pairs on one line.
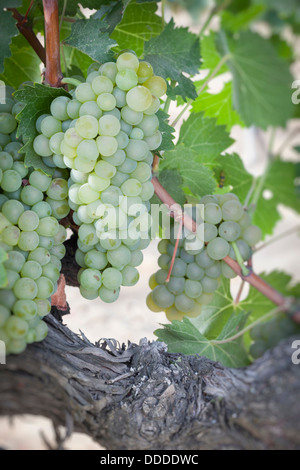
[[253, 279], [27, 32], [53, 75]]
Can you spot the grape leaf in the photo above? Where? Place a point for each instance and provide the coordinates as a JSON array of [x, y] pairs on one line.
[[172, 181], [197, 177], [8, 29], [166, 130], [37, 99], [91, 38], [139, 24], [281, 180], [219, 106], [210, 55], [111, 14], [202, 135], [22, 66], [183, 337], [261, 80], [174, 52], [215, 316], [235, 174], [235, 22]]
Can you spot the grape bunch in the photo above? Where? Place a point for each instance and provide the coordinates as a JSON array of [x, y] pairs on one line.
[[105, 136], [267, 335], [224, 229], [30, 207]]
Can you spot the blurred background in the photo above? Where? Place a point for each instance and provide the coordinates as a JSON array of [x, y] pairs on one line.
[[129, 319]]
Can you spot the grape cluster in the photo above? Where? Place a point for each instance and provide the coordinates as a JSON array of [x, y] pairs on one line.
[[31, 235], [105, 135], [267, 335], [224, 229]]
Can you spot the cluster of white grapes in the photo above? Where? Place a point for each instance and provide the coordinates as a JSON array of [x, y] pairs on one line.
[[105, 136], [225, 230], [31, 203]]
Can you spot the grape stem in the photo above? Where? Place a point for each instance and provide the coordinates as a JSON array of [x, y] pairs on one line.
[[175, 250], [240, 260], [27, 32], [53, 75], [253, 279]]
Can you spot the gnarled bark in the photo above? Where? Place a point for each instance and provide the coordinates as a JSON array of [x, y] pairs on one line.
[[142, 397]]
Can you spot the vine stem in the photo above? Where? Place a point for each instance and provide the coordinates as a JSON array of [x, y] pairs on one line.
[[253, 279], [53, 75], [279, 237], [28, 34]]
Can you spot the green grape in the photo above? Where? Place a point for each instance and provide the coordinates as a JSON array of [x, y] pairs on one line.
[[25, 289], [230, 231], [164, 261], [89, 294], [40, 255], [41, 331], [214, 271], [12, 277], [39, 180], [111, 278], [161, 276], [45, 287], [176, 285], [179, 268], [16, 327], [95, 259], [58, 108], [227, 271], [232, 210], [58, 189], [109, 70], [212, 213], [152, 305], [131, 187], [119, 257], [154, 141], [6, 161], [192, 289], [25, 309], [144, 72], [106, 101], [137, 134], [60, 209], [156, 85], [28, 221], [183, 303], [139, 98], [111, 195], [163, 297], [91, 279], [87, 127], [10, 236], [107, 145], [126, 79], [42, 209], [7, 298], [11, 181], [136, 258], [252, 235], [142, 172], [7, 123], [163, 246], [128, 166], [31, 269], [244, 221], [131, 117], [127, 60], [43, 307], [87, 235], [205, 299], [51, 272], [73, 108], [28, 241], [130, 276], [109, 125], [31, 196], [120, 96], [50, 126], [204, 260], [15, 261], [227, 197], [41, 146], [108, 295], [194, 272], [209, 285], [84, 92], [218, 248], [48, 227]]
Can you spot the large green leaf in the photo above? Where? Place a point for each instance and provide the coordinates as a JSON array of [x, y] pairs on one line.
[[37, 101], [183, 337], [22, 66], [172, 181], [202, 135], [235, 22], [166, 130], [91, 38], [139, 24], [234, 173], [198, 178], [261, 80], [174, 52], [219, 105], [8, 29]]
